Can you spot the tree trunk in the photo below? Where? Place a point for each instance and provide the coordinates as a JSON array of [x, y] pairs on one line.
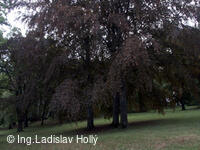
[[180, 98], [116, 110], [42, 122], [141, 104], [10, 126], [19, 109], [90, 113], [60, 117], [26, 120], [90, 118], [43, 114], [20, 119], [123, 106], [20, 125], [182, 104]]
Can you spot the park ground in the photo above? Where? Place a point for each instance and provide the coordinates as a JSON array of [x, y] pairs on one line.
[[176, 130]]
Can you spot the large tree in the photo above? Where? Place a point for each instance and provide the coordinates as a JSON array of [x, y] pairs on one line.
[[125, 33]]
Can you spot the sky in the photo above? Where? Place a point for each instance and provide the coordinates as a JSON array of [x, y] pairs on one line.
[[14, 21]]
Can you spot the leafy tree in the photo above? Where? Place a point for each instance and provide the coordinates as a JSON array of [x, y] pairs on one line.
[[139, 47]]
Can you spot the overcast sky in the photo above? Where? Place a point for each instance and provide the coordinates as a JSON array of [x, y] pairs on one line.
[[13, 20]]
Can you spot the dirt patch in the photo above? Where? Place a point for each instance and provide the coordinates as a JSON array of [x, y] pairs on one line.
[[159, 146], [180, 140], [185, 139]]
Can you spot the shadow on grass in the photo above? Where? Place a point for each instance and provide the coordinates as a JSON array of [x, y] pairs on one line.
[[134, 125], [153, 123]]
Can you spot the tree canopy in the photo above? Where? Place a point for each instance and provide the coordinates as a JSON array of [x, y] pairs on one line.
[[94, 57]]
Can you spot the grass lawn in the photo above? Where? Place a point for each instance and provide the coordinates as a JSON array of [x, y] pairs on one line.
[[179, 130]]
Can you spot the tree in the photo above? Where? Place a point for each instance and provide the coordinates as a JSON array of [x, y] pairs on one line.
[[136, 38]]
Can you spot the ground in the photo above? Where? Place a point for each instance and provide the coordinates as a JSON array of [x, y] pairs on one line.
[[176, 130]]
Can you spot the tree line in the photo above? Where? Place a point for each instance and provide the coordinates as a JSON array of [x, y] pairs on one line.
[[88, 58]]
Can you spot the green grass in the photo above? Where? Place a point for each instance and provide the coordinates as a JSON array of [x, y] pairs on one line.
[[179, 130]]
